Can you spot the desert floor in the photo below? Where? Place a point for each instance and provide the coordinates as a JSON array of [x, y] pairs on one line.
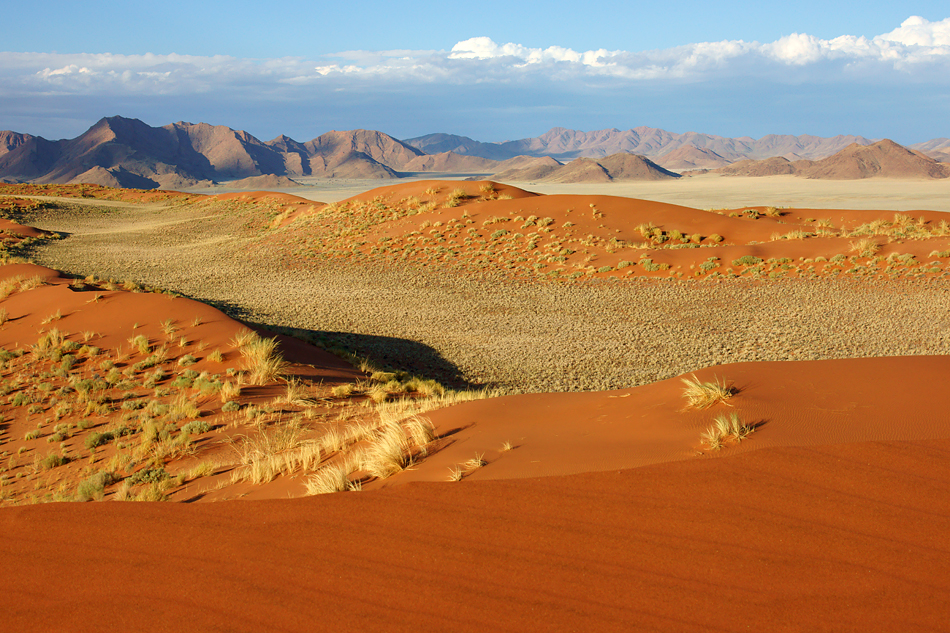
[[520, 336], [705, 191]]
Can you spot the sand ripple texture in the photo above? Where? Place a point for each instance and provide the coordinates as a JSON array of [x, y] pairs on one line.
[[527, 337]]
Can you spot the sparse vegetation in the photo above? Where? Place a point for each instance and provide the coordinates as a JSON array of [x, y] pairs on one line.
[[726, 427], [702, 395]]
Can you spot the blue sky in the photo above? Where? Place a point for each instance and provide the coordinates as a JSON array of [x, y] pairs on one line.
[[491, 70]]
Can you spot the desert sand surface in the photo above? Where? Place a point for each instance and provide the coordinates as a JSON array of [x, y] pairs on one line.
[[701, 191], [595, 495], [784, 539]]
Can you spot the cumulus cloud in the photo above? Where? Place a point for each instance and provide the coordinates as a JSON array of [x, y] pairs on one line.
[[918, 47], [476, 60], [916, 31]]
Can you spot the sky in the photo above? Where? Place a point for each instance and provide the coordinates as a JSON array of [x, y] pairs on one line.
[[490, 70]]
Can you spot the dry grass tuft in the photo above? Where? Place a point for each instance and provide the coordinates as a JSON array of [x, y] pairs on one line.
[[422, 433], [725, 427], [271, 452], [389, 452], [456, 473], [335, 477], [702, 395], [865, 247], [262, 361], [296, 394], [476, 462]]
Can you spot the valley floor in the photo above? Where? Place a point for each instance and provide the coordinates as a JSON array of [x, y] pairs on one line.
[[522, 336]]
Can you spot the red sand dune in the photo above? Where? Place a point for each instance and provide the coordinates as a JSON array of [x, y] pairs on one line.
[[443, 188], [598, 230], [792, 403], [849, 537]]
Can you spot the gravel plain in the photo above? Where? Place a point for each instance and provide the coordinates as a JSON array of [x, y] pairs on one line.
[[523, 336]]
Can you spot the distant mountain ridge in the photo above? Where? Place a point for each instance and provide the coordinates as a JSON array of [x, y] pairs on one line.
[[124, 152], [127, 152], [616, 167], [884, 159], [565, 144]]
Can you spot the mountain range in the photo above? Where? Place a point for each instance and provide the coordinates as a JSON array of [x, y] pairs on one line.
[[123, 152]]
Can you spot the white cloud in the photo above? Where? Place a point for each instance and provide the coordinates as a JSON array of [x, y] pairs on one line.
[[916, 31], [918, 49]]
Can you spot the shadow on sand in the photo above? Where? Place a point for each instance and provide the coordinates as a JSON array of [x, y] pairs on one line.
[[387, 352]]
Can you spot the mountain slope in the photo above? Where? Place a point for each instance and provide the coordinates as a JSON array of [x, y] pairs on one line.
[[118, 151], [380, 147], [616, 167], [451, 162], [884, 159], [565, 144]]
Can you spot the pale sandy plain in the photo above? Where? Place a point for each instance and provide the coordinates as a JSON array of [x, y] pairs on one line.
[[701, 191]]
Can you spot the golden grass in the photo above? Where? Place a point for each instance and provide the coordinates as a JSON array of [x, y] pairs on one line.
[[421, 432], [263, 363], [865, 246], [725, 427], [476, 462], [335, 477], [398, 410], [702, 395], [456, 473], [296, 394], [388, 453], [271, 452]]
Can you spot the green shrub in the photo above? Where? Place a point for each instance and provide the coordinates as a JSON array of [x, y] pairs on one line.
[[20, 399], [195, 427], [52, 460], [747, 260], [230, 406], [94, 486], [148, 476]]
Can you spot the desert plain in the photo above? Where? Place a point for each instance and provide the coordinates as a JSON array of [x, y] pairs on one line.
[[704, 404]]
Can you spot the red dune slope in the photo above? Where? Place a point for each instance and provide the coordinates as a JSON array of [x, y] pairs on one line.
[[848, 537], [793, 403]]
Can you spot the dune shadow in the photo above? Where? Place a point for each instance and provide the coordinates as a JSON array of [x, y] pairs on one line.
[[196, 497], [455, 431], [391, 353], [388, 352]]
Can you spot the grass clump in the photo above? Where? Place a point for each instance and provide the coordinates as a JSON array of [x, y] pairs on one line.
[[94, 487], [725, 427], [262, 361], [747, 260], [334, 477], [702, 395], [389, 452], [865, 247]]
